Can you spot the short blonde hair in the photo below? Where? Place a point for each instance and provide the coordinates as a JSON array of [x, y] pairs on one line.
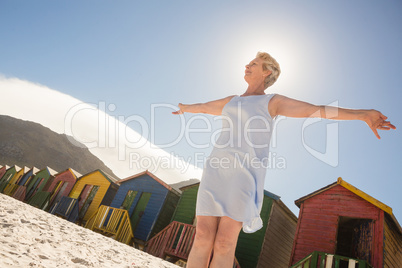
[[272, 65]]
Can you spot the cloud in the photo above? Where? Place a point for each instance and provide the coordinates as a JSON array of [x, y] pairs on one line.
[[121, 148]]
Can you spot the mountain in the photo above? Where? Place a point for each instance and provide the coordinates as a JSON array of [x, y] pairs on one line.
[[26, 143]]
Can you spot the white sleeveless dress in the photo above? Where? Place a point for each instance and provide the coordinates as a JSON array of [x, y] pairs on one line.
[[232, 182]]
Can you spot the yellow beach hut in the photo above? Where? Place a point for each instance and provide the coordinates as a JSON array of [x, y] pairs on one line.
[[12, 183], [93, 190]]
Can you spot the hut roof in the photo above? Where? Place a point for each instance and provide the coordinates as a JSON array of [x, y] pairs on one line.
[[17, 168], [76, 173], [188, 186], [357, 192], [26, 169], [52, 172], [107, 176], [182, 185], [35, 170], [271, 195], [146, 172]]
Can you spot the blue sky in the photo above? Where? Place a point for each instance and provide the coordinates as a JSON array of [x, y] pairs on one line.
[[135, 54]]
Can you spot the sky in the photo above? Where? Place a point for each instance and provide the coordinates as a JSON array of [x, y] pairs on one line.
[[136, 60]]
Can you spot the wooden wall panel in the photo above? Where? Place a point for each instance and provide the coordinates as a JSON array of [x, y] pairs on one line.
[[278, 240], [318, 220]]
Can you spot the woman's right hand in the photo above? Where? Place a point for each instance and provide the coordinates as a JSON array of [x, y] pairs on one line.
[[180, 111]]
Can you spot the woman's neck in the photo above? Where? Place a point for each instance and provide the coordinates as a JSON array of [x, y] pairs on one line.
[[254, 90]]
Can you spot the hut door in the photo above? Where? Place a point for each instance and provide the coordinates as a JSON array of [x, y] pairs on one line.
[[88, 200], [129, 199], [59, 191], [139, 209], [28, 180], [355, 238], [83, 195], [35, 187]]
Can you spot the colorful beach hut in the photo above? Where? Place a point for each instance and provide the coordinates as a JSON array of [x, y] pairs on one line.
[[61, 184], [185, 211], [149, 201], [9, 173], [176, 239], [92, 190], [36, 183], [57, 186], [12, 185], [269, 247], [340, 223], [20, 192], [7, 176], [3, 170]]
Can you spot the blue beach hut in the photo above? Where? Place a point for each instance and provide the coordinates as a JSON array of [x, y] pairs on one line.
[[149, 201]]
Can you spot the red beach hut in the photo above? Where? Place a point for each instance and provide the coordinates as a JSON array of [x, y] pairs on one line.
[[341, 223]]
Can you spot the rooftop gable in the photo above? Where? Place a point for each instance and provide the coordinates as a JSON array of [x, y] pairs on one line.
[[75, 173], [146, 172], [51, 171], [357, 192], [189, 186], [108, 177]]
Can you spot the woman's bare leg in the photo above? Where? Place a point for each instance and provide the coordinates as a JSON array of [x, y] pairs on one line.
[[225, 243], [204, 240]]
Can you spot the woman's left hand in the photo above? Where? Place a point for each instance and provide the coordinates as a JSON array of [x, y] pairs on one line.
[[376, 120]]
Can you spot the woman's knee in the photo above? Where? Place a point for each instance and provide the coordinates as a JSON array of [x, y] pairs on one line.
[[205, 235], [226, 237], [224, 245], [206, 231]]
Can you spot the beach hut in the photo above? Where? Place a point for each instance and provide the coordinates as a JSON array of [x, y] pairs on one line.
[[7, 176], [10, 171], [340, 223], [36, 183], [176, 239], [269, 247], [20, 192], [3, 170], [11, 185], [149, 201], [92, 190], [57, 186], [185, 210], [62, 184]]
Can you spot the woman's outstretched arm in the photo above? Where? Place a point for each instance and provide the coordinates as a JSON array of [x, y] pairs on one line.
[[281, 105], [212, 107]]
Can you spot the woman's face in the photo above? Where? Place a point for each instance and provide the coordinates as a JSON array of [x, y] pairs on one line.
[[254, 71]]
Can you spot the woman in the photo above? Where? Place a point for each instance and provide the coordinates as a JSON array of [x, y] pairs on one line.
[[231, 189]]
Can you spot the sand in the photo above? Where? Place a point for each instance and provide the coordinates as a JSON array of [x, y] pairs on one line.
[[30, 237]]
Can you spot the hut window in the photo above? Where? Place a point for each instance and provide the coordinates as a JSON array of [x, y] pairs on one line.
[[355, 238]]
